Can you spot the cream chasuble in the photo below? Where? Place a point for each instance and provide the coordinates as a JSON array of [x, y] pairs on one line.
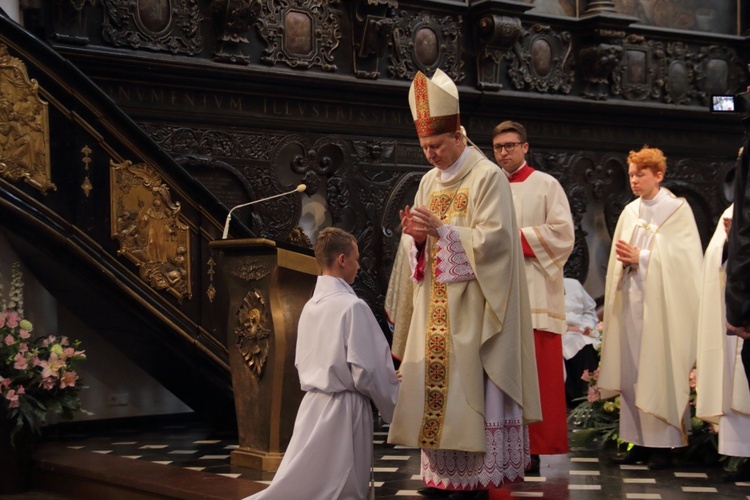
[[723, 396], [650, 317], [468, 326], [543, 214]]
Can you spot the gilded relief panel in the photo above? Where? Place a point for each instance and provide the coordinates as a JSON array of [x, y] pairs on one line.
[[147, 224], [24, 126]]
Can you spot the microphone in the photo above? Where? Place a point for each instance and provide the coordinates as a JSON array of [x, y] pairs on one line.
[[298, 189]]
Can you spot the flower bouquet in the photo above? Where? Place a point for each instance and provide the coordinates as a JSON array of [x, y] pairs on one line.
[[37, 375]]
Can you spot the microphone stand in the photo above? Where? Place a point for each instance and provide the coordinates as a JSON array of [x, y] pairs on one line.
[[298, 189]]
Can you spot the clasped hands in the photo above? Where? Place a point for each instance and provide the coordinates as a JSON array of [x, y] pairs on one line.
[[418, 222], [627, 253]]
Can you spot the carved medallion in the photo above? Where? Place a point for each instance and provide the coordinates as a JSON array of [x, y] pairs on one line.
[[24, 126], [633, 79], [542, 62], [163, 25], [253, 332], [424, 42], [300, 33], [148, 227]]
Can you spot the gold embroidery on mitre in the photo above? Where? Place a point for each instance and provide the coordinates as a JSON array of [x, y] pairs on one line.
[[437, 363]]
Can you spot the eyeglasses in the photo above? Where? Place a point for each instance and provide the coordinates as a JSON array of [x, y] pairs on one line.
[[509, 147]]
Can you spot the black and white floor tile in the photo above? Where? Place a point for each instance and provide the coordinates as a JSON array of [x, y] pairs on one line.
[[580, 475]]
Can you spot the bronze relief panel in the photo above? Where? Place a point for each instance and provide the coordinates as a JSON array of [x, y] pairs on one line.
[[24, 126], [148, 226]]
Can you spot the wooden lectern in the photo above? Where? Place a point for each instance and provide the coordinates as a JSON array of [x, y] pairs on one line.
[[262, 287]]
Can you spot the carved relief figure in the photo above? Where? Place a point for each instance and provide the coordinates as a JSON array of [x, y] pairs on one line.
[[24, 132], [147, 224], [159, 233]]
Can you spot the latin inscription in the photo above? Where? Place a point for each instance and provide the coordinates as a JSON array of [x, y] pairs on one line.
[[261, 106]]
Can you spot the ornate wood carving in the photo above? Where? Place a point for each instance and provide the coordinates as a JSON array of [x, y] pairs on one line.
[[677, 69], [634, 77], [213, 142], [498, 39], [253, 332], [162, 25], [424, 42], [720, 71], [300, 33], [249, 269], [596, 63], [238, 16], [542, 62], [372, 28], [149, 228], [24, 126]]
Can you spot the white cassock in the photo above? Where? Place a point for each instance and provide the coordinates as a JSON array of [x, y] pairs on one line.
[[580, 313], [650, 318], [723, 396], [344, 362]]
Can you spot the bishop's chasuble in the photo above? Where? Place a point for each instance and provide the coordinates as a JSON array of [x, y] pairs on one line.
[[547, 237], [723, 396], [650, 318], [464, 333]]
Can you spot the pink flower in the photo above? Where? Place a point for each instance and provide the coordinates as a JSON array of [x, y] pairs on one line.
[[10, 340], [64, 340], [13, 319], [24, 334], [21, 390], [52, 367], [693, 378], [23, 347], [21, 363], [586, 376], [593, 395], [49, 383], [13, 398], [596, 374], [68, 379]]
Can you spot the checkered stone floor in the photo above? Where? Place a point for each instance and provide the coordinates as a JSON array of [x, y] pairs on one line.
[[579, 476]]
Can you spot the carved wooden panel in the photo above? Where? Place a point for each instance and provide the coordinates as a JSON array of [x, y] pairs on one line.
[[161, 25], [424, 42], [300, 33], [542, 61]]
